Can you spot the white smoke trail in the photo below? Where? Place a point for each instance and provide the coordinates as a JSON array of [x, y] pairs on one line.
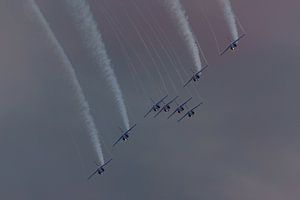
[[84, 106], [93, 39], [230, 18], [185, 30], [135, 76]]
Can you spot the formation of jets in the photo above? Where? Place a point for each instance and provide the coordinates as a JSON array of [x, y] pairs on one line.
[[165, 106], [180, 108]]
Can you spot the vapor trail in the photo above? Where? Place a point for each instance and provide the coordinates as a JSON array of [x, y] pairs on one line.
[[135, 76], [185, 30], [230, 18], [93, 39], [84, 106], [149, 52]]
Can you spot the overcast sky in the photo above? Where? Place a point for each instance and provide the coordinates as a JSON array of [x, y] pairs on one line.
[[243, 143]]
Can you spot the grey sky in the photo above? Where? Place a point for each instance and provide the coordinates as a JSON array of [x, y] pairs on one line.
[[242, 144]]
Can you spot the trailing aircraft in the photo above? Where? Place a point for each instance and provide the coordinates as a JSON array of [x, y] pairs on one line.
[[233, 45], [180, 108], [190, 113], [100, 170]]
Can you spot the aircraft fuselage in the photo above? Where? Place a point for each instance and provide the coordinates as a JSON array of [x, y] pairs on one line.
[[196, 77], [191, 113], [100, 170], [156, 107], [180, 109], [233, 46], [167, 108], [125, 137]]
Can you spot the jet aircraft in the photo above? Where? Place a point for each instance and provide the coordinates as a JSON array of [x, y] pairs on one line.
[[196, 76], [233, 45], [156, 106], [100, 170], [180, 108], [166, 107], [124, 136], [190, 113]]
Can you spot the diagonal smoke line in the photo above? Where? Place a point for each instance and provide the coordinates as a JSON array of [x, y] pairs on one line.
[[230, 18], [93, 39], [185, 30], [84, 106]]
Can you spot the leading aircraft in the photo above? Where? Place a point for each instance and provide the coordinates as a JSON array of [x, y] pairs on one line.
[[233, 45], [166, 107], [180, 108], [100, 170], [156, 106], [196, 76], [191, 112], [124, 136]]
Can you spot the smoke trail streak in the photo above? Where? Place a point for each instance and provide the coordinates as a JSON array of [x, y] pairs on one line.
[[240, 25], [185, 30], [84, 106], [161, 45], [133, 73], [165, 71], [114, 23], [175, 54], [211, 28], [93, 39], [149, 52], [230, 18]]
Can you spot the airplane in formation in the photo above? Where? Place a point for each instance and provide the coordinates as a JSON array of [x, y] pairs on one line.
[[156, 106], [166, 107], [180, 108], [100, 170], [190, 113], [233, 45], [196, 76], [124, 136]]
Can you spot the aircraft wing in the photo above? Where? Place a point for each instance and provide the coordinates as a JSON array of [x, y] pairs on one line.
[[129, 129], [95, 172], [204, 68], [179, 107], [159, 112], [196, 106], [239, 38], [172, 100], [225, 50], [162, 99], [148, 112], [186, 101], [106, 162], [188, 82], [119, 139], [173, 113], [183, 117]]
